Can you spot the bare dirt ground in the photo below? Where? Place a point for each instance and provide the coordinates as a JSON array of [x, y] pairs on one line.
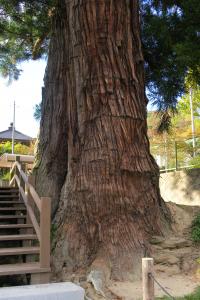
[[177, 285], [175, 258]]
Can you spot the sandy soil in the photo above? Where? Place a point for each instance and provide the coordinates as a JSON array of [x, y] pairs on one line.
[[183, 281], [177, 285], [175, 257]]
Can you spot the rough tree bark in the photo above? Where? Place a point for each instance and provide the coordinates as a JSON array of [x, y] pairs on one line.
[[52, 153], [93, 139]]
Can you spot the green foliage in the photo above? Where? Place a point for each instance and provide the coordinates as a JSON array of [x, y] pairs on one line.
[[180, 130], [6, 176], [24, 33], [170, 37], [5, 148], [53, 231], [195, 161], [37, 112], [178, 125], [183, 106], [22, 149], [193, 296], [195, 231], [18, 148], [190, 81]]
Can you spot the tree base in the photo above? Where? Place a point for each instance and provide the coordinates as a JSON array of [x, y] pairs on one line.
[[116, 250]]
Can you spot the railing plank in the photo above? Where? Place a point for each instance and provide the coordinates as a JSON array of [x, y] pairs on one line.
[[12, 181], [31, 214], [34, 194], [45, 223], [16, 178], [7, 157]]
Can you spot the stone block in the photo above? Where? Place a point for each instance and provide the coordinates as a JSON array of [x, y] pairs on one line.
[[52, 291]]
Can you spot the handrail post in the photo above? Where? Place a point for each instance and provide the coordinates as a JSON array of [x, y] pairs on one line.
[[45, 225], [11, 175], [147, 280], [31, 181], [176, 155], [17, 159], [22, 183]]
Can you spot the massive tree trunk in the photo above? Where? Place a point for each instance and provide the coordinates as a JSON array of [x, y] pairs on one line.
[[94, 157]]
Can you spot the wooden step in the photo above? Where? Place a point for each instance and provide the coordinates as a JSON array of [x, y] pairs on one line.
[[8, 190], [19, 251], [9, 196], [25, 268], [11, 202], [18, 237], [9, 193], [12, 208], [4, 217], [15, 226]]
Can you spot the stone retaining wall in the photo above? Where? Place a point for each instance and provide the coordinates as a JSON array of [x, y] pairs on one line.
[[181, 187]]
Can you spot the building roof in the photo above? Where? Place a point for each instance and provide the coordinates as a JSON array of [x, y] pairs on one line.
[[7, 135]]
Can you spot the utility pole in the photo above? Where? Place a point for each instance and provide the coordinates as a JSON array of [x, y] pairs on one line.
[[192, 123], [13, 129], [166, 150]]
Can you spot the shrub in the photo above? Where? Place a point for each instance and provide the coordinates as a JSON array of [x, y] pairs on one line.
[[195, 161], [18, 148], [195, 232], [6, 176]]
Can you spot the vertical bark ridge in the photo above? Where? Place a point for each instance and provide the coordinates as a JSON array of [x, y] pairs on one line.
[[52, 153]]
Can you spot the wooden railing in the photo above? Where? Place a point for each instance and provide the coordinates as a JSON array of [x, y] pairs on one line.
[[32, 200], [7, 160], [179, 168]]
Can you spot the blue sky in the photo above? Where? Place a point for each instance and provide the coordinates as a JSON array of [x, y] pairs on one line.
[[26, 92]]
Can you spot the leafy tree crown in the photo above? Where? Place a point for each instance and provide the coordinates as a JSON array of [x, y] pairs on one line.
[[170, 36]]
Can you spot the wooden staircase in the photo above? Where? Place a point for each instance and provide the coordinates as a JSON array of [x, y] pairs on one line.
[[24, 234]]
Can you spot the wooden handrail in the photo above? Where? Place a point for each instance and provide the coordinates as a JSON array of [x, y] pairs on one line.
[[12, 181], [29, 187], [31, 214], [15, 178], [35, 196], [8, 157], [13, 167], [29, 195]]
